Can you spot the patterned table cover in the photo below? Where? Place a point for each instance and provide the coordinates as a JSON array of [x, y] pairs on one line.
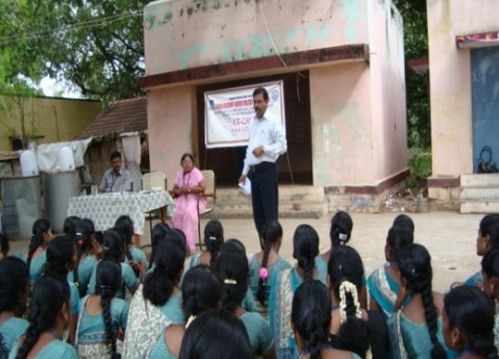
[[103, 209]]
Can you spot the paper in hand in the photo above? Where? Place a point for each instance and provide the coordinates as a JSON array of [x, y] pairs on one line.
[[246, 187]]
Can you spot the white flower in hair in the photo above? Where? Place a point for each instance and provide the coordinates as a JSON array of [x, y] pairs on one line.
[[342, 237], [348, 287]]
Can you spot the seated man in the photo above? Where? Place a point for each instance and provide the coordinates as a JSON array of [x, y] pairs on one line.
[[116, 178]]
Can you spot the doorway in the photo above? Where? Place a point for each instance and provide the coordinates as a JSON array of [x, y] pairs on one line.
[[485, 101], [227, 163]]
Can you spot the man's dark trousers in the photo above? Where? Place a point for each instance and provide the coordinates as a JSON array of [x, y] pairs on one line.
[[264, 193]]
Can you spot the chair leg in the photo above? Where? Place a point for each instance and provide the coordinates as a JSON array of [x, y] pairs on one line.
[[150, 227]]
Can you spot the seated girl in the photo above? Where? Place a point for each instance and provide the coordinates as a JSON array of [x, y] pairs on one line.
[[233, 272], [487, 240], [468, 323], [13, 299], [112, 248], [383, 283], [49, 319], [201, 291], [305, 250], [267, 264], [353, 328], [416, 329], [311, 321], [102, 316]]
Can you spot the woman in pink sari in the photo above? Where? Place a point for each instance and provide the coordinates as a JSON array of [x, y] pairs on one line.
[[188, 190]]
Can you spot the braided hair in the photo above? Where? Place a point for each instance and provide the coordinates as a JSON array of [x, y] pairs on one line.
[[40, 228], [108, 281], [201, 290], [124, 225], [48, 298], [414, 263], [346, 273], [271, 234], [60, 254], [13, 287], [306, 248], [112, 245], [233, 272], [83, 241], [169, 256], [472, 312], [159, 233], [213, 238], [341, 228], [311, 316], [398, 237]]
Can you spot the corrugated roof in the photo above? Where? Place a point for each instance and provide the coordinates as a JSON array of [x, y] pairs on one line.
[[120, 117]]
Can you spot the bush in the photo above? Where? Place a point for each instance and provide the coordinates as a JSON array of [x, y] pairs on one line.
[[419, 165]]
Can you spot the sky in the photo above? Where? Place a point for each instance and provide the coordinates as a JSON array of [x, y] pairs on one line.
[[52, 87]]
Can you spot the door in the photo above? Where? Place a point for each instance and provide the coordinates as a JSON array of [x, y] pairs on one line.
[[485, 97], [227, 162]]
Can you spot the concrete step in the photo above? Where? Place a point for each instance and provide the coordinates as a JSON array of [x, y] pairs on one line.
[[480, 180], [305, 211], [287, 194], [294, 202], [480, 193], [480, 206]]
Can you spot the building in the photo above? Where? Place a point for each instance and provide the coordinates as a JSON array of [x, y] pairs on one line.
[[121, 121], [464, 97], [47, 119], [342, 65]]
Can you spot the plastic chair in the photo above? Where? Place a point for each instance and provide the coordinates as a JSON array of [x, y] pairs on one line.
[[210, 194]]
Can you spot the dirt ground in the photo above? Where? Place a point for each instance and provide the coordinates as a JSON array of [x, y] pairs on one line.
[[449, 236]]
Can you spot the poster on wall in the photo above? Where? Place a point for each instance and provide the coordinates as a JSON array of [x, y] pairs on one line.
[[228, 113]]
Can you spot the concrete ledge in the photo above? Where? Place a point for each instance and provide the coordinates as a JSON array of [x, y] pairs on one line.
[[367, 198], [295, 59], [444, 182], [480, 207], [369, 189]]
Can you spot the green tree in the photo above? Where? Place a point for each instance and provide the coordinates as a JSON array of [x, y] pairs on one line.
[[95, 45], [416, 45]]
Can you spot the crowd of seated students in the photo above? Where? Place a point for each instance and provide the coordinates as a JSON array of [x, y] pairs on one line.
[[90, 294]]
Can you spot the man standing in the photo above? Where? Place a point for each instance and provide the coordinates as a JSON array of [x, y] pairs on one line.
[[267, 141], [116, 178]]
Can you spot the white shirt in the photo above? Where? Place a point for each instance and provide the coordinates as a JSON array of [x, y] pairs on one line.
[[269, 134], [112, 182]]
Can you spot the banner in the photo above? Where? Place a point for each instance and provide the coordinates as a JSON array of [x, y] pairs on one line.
[[229, 112]]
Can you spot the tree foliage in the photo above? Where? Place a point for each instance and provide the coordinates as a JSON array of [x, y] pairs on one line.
[[416, 45], [94, 45]]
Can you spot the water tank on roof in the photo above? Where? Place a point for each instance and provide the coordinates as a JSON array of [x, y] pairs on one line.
[[29, 165]]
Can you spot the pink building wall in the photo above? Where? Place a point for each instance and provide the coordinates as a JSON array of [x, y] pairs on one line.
[[170, 132], [180, 36], [357, 108], [387, 88], [450, 80]]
